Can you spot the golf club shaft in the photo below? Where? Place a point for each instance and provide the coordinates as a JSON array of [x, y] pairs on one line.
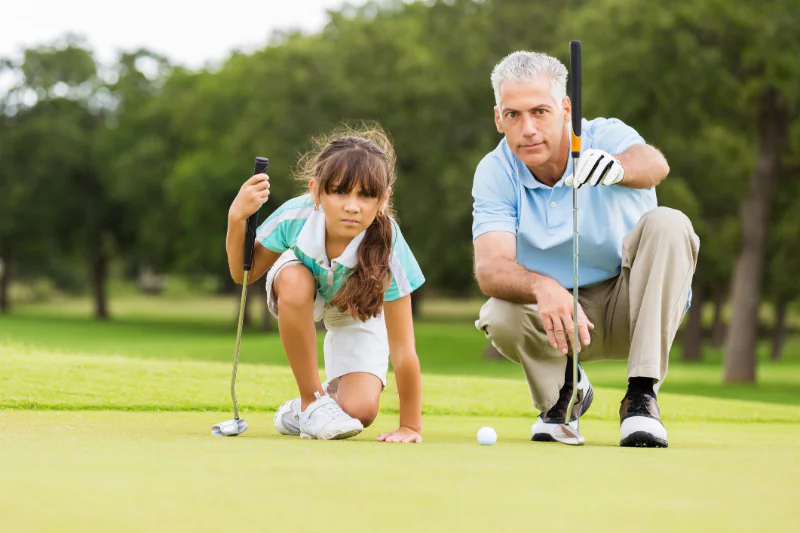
[[238, 344], [575, 100], [261, 165]]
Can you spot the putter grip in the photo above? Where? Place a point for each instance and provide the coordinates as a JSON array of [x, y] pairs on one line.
[[252, 221], [575, 80]]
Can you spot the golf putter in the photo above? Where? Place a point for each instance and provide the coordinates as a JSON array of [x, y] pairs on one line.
[[569, 435], [237, 426]]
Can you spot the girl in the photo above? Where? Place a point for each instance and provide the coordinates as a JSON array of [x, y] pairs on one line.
[[337, 254]]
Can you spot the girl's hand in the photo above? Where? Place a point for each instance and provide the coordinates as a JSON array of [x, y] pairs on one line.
[[402, 434], [253, 194]]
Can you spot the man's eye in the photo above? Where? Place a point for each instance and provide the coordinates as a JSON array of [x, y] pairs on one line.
[[541, 111], [511, 114]]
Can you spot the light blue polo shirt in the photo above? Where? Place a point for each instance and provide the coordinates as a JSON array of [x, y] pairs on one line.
[[298, 227], [508, 198]]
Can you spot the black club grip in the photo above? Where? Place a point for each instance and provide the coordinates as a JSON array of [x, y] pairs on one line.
[[575, 85], [252, 221]]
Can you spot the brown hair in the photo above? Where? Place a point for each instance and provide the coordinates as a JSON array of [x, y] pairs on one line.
[[342, 160]]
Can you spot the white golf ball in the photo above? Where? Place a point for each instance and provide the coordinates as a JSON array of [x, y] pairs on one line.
[[487, 436]]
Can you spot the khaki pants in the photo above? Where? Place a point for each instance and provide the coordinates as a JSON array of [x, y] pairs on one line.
[[635, 315]]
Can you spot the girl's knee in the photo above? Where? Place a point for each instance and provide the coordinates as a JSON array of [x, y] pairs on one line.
[[364, 410], [295, 285]]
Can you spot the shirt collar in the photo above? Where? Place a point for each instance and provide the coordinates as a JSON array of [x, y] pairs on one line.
[[311, 241]]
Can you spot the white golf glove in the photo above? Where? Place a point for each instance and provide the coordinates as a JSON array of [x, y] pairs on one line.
[[596, 166]]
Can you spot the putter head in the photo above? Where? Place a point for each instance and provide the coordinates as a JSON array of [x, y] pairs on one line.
[[569, 434], [229, 428]]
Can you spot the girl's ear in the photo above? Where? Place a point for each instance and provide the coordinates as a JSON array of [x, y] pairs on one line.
[[313, 188], [385, 201]]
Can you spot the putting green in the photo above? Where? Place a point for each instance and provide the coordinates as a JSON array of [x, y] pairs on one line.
[[118, 443], [137, 471]]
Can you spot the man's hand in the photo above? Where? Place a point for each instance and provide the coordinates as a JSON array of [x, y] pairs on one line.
[[403, 434], [253, 194], [555, 311], [596, 166]]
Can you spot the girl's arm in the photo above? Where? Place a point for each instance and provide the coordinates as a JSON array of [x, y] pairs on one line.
[[263, 258], [250, 198], [403, 352]]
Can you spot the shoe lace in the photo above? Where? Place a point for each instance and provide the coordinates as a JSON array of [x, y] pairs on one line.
[[559, 410], [639, 405], [331, 409]]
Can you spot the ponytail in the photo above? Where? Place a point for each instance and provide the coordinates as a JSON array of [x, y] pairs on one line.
[[362, 292]]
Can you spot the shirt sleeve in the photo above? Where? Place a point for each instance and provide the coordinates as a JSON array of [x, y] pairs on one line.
[[279, 231], [614, 136], [406, 274], [494, 196]]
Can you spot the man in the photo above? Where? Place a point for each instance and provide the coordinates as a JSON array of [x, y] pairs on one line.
[[636, 259]]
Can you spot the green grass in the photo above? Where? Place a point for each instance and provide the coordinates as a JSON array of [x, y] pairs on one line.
[[108, 425], [132, 472], [203, 329]]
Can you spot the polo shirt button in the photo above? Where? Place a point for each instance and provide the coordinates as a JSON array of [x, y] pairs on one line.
[[552, 204]]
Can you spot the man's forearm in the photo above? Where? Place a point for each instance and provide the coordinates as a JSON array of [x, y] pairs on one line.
[[644, 166], [510, 281]]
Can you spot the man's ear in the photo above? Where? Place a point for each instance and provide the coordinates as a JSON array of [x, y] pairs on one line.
[[498, 124], [566, 105]]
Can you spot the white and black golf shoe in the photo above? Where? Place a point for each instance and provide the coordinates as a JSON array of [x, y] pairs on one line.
[[546, 427], [640, 422]]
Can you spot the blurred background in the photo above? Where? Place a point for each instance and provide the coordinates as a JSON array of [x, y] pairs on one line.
[[124, 138]]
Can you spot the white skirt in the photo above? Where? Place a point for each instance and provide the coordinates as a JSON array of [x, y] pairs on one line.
[[350, 344]]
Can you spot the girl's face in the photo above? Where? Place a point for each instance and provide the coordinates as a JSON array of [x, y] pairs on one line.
[[348, 213]]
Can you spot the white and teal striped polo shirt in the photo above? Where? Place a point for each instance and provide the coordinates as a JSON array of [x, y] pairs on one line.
[[298, 227]]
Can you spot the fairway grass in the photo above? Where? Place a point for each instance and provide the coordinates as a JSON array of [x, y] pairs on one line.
[[40, 380], [106, 426], [126, 472]]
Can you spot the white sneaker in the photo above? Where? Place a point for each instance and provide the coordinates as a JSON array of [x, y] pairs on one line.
[[548, 426], [325, 420], [287, 418]]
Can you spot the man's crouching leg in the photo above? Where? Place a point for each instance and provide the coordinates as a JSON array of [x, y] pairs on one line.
[[517, 333]]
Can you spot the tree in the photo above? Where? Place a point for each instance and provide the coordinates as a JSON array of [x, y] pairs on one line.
[[689, 64]]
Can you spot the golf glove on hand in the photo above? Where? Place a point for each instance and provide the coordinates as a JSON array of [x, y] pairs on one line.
[[596, 166]]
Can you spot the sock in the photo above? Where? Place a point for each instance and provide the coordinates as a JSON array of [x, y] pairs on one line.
[[568, 371], [641, 386]]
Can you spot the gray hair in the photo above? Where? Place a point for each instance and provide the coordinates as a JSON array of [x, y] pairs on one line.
[[525, 66]]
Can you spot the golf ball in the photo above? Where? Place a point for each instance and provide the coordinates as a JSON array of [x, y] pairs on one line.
[[487, 436]]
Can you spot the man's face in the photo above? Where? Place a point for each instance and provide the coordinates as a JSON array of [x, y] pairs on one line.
[[532, 121]]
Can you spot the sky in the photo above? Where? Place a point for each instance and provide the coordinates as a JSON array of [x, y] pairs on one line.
[[192, 33]]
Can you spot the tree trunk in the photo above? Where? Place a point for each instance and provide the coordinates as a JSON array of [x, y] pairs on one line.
[[416, 296], [5, 276], [99, 268], [754, 215], [718, 327], [693, 334], [779, 330]]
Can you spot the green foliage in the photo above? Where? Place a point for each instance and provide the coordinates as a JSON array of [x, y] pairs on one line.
[[162, 162]]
